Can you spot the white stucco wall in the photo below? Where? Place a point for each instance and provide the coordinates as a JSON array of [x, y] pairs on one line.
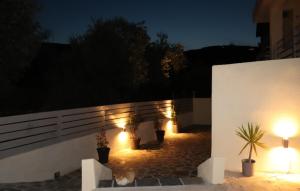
[[260, 92], [202, 111], [65, 157], [41, 164]]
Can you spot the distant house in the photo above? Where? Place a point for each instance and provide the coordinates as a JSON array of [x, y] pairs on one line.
[[278, 26]]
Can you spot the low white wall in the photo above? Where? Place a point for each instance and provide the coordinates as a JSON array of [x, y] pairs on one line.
[[260, 92], [202, 111], [92, 172], [41, 164], [65, 157]]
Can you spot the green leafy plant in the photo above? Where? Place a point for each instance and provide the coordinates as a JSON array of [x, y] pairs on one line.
[[101, 139], [252, 135]]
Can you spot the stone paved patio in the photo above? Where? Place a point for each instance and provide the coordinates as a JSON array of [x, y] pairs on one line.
[[179, 156]]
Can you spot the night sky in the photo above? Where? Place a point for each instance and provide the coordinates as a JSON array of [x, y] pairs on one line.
[[194, 23]]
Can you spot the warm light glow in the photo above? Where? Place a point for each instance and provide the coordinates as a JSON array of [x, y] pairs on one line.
[[165, 109], [295, 178], [282, 159], [168, 113], [121, 123], [169, 130], [123, 136], [285, 128]]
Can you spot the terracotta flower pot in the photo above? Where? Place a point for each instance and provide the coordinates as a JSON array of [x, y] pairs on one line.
[[248, 167]]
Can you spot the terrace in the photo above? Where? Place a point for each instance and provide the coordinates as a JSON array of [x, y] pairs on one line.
[[36, 148]]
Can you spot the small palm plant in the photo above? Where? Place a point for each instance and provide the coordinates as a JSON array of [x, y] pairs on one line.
[[252, 135]]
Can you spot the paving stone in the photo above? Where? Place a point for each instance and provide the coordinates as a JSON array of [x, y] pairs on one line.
[[192, 180], [183, 153], [127, 185], [169, 181], [105, 183], [148, 182]]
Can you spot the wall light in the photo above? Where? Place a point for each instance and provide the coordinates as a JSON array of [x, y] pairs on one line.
[[285, 128], [285, 143], [123, 136], [284, 157]]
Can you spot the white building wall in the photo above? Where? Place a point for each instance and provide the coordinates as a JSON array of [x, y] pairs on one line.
[[276, 21], [259, 92]]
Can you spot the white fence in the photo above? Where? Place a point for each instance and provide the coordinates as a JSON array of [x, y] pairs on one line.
[[33, 147], [27, 132]]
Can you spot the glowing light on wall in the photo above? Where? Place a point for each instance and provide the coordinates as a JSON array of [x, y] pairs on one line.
[[169, 130], [121, 123], [285, 128], [168, 113], [123, 137], [283, 159], [165, 109]]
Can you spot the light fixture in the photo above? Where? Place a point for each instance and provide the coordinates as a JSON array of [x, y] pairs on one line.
[[285, 127], [123, 136], [285, 143]]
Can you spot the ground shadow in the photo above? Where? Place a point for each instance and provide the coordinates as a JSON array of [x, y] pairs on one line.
[[151, 146]]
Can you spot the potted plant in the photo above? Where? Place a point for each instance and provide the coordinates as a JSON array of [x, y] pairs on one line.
[[252, 136], [132, 127], [103, 149], [160, 133]]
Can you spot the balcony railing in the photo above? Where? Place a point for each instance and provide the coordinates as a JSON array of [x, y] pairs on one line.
[[288, 48]]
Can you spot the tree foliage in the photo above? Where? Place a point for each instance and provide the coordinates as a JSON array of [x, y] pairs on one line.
[[174, 61], [112, 61], [154, 54], [20, 36], [113, 51], [165, 58]]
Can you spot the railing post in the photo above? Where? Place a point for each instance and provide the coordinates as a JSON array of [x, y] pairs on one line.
[[104, 117], [59, 124]]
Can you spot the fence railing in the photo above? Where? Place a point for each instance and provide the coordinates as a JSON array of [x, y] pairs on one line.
[[23, 133], [288, 48]]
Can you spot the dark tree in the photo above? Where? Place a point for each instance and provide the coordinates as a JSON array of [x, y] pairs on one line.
[[20, 37], [107, 62], [154, 54], [174, 61], [165, 60]]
